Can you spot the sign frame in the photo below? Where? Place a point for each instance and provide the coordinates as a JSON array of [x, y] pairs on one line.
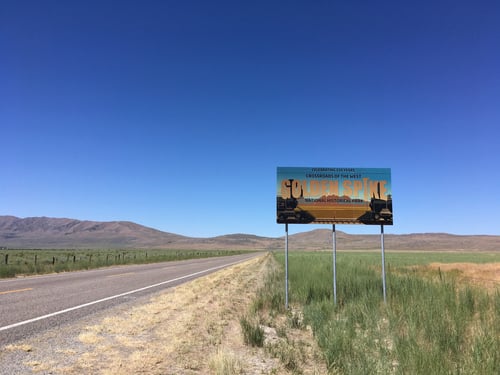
[[334, 196]]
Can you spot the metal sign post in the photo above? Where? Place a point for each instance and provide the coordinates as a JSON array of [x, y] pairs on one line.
[[383, 262], [286, 266], [334, 240]]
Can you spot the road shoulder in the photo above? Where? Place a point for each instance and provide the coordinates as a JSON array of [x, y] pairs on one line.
[[189, 329]]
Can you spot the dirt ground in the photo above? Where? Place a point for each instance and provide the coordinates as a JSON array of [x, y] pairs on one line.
[[190, 329], [482, 275]]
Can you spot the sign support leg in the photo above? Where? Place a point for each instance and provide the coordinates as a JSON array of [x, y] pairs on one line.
[[383, 262], [334, 240], [286, 266]]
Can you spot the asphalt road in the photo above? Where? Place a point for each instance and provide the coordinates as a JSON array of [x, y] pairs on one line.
[[31, 305]]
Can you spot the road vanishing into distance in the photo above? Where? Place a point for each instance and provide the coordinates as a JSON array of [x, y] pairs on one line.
[[30, 305]]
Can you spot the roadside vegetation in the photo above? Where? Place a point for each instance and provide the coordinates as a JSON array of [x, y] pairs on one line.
[[34, 261], [434, 322]]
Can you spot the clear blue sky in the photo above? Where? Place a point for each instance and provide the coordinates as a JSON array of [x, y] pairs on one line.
[[175, 114]]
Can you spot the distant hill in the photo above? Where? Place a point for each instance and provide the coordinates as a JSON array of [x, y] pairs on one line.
[[45, 232], [316, 239]]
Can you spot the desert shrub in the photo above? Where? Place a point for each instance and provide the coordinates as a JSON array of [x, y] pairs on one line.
[[253, 334]]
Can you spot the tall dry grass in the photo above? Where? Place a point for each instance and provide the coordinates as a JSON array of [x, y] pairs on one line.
[[430, 325]]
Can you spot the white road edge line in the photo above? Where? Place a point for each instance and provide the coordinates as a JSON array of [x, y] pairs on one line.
[[4, 328]]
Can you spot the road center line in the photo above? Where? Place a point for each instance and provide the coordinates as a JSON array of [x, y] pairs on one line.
[[4, 328], [16, 291]]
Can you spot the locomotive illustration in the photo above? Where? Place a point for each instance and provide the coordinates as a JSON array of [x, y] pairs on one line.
[[288, 212], [381, 210]]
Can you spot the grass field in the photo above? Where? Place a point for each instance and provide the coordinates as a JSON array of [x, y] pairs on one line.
[[30, 262], [434, 322]]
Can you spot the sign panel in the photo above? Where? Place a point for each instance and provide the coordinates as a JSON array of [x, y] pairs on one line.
[[334, 195]]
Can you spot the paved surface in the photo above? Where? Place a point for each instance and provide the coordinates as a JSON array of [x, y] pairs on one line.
[[33, 304]]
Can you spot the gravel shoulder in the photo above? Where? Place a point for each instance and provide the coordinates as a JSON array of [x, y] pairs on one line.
[[193, 328]]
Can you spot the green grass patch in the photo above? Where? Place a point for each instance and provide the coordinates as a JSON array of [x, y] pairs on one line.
[[430, 325], [253, 334], [30, 262]]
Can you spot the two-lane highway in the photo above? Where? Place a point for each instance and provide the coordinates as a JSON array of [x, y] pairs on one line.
[[32, 304]]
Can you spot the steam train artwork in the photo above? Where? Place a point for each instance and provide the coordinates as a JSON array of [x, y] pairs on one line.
[[293, 211], [288, 212], [381, 210]]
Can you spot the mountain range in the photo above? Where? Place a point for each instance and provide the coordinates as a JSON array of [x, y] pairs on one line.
[[54, 233]]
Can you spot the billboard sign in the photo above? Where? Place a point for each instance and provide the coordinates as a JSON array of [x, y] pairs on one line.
[[334, 195]]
